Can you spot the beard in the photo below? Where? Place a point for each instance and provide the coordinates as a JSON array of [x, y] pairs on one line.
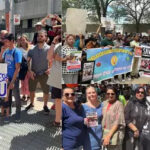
[[40, 41]]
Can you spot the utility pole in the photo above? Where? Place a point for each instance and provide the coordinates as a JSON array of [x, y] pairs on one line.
[[12, 26]]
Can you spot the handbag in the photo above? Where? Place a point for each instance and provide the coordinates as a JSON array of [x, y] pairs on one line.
[[114, 139]]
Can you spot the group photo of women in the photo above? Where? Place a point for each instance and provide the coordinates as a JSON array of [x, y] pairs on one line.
[[112, 118]]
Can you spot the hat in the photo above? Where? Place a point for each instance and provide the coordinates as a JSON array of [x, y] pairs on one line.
[[38, 24]]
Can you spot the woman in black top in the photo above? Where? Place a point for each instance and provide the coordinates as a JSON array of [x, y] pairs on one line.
[[135, 117]]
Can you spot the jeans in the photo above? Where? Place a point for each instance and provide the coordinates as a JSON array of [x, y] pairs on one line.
[[16, 93]]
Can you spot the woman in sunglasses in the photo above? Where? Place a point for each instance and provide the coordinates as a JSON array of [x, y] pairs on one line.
[[135, 117], [113, 122], [93, 113], [72, 122]]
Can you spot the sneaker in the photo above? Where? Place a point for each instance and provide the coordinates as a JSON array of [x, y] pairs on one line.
[[46, 110], [17, 118], [6, 120], [29, 107]]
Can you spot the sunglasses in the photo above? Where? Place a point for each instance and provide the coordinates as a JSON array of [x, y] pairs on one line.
[[110, 94], [71, 94], [140, 92]]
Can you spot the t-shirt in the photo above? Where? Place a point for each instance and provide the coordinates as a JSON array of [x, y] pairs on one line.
[[72, 127], [94, 138], [12, 58], [107, 42], [39, 59]]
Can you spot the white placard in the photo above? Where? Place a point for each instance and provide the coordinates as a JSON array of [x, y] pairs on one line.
[[3, 77], [16, 19], [76, 21]]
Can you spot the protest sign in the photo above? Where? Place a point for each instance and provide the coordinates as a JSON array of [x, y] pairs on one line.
[[138, 51], [145, 61], [3, 77], [76, 21], [88, 70], [75, 63], [110, 62]]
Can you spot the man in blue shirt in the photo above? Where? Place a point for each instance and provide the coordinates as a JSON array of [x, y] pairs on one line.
[[13, 57]]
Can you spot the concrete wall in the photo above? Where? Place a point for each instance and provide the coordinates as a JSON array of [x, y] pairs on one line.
[[132, 28]]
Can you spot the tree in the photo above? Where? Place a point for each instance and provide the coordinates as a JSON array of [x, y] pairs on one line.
[[99, 7], [136, 10]]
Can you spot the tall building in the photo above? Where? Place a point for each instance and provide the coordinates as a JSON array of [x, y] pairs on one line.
[[32, 11]]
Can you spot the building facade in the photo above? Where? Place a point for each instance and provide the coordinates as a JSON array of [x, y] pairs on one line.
[[32, 11]]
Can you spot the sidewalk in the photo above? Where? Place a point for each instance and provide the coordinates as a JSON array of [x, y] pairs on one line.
[[34, 132]]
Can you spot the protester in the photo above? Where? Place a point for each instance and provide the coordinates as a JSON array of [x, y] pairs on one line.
[[68, 76], [113, 122], [145, 135], [135, 117], [24, 47], [94, 138], [135, 66], [54, 79], [108, 41], [13, 57], [73, 130], [39, 70]]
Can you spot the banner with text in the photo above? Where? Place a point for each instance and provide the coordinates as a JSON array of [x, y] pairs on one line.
[[110, 62]]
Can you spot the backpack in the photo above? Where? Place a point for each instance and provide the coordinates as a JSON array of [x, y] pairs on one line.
[[23, 67]]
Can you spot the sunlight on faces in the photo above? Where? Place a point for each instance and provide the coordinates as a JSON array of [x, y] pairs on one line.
[[70, 41], [110, 95], [68, 95], [91, 94], [41, 37], [140, 94]]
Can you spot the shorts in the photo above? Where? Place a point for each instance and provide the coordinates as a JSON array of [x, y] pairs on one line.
[[56, 93], [42, 79], [4, 104]]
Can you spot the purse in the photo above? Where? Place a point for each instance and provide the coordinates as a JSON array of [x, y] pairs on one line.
[[114, 139]]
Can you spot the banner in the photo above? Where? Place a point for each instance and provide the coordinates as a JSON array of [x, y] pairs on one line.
[[76, 21], [3, 77], [110, 62], [87, 73], [145, 61], [75, 63]]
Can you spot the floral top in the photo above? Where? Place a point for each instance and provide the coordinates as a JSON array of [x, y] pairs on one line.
[[113, 114]]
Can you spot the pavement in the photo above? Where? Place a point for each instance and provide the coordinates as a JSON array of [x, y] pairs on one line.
[[34, 132]]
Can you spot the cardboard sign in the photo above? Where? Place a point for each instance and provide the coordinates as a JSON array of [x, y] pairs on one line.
[[76, 21]]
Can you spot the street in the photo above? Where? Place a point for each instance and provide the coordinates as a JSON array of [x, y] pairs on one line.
[[34, 132]]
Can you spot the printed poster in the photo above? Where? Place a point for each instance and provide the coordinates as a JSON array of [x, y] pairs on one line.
[[75, 63], [88, 70], [3, 77]]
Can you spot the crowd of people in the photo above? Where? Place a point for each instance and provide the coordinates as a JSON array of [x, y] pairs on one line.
[[82, 43], [106, 122], [30, 62]]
